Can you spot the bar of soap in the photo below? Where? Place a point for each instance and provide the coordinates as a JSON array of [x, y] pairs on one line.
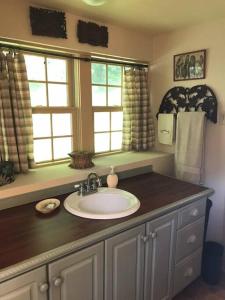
[[47, 206]]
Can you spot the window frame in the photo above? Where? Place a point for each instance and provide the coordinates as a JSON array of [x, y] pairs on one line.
[[70, 108], [107, 108], [80, 103]]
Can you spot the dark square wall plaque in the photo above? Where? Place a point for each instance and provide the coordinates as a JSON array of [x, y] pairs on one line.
[[46, 22], [93, 34]]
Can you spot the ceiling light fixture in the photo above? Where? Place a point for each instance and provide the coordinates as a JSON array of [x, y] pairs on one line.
[[95, 2]]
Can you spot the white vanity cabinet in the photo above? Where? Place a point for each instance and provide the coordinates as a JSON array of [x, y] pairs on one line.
[[140, 261], [29, 286], [78, 276], [151, 261]]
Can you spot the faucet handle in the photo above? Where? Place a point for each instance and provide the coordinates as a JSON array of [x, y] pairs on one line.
[[99, 181], [77, 187], [80, 188]]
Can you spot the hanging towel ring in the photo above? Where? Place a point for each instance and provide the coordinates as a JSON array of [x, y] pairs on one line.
[[197, 98]]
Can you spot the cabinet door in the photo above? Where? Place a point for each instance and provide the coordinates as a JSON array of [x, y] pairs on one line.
[[78, 276], [124, 265], [159, 266], [30, 286]]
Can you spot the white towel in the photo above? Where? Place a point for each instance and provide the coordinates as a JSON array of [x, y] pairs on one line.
[[189, 148]]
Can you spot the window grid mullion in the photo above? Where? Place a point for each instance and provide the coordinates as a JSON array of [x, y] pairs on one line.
[[46, 83], [52, 147], [110, 127], [49, 81], [107, 102], [55, 137]]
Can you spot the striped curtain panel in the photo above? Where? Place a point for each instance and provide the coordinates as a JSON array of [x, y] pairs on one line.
[[16, 129], [138, 125]]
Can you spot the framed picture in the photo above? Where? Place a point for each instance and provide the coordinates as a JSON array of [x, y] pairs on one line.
[[189, 66]]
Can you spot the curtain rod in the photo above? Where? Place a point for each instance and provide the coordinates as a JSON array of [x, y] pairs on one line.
[[87, 59]]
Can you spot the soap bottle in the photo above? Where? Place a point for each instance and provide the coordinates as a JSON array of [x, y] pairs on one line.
[[112, 179]]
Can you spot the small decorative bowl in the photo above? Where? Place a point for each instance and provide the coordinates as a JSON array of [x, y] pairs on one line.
[[81, 159], [47, 206]]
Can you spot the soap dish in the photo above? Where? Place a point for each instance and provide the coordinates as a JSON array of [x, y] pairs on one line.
[[47, 206]]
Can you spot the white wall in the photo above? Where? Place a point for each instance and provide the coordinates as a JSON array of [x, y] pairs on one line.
[[211, 37], [14, 24]]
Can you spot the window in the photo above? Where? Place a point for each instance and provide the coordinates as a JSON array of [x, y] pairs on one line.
[[52, 106], [107, 106]]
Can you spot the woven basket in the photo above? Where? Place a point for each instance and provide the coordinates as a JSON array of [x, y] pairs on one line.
[[81, 160]]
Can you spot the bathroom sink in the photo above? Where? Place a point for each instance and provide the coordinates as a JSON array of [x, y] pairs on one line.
[[107, 203]]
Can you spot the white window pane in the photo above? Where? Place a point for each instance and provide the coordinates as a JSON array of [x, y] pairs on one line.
[[114, 75], [114, 96], [35, 67], [116, 140], [38, 94], [98, 73], [102, 142], [56, 69], [116, 120], [101, 121], [61, 124], [98, 95], [41, 125], [62, 146], [57, 94], [42, 150]]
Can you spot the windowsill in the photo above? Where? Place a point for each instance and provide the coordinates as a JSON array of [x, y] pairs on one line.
[[59, 176]]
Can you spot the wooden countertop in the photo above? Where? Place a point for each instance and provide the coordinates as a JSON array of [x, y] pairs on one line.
[[26, 233]]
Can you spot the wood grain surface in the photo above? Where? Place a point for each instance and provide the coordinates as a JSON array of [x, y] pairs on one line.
[[25, 233]]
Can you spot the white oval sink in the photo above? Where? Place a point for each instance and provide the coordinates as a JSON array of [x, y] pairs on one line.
[[107, 203]]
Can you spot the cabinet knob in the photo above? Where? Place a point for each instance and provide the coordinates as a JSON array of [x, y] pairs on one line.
[[58, 281], [144, 238], [43, 287], [192, 239], [153, 235], [194, 212], [189, 272]]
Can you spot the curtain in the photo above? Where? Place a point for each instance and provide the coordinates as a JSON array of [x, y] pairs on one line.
[[138, 124], [16, 129]]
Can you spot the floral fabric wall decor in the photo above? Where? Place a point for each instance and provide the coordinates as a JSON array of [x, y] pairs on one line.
[[92, 34], [189, 66], [46, 22]]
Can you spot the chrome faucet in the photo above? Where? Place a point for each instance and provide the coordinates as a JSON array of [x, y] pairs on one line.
[[89, 186], [93, 181]]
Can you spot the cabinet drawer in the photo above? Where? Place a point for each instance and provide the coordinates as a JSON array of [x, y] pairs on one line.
[[189, 239], [191, 213], [187, 271]]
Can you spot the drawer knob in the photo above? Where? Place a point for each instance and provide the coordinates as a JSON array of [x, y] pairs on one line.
[[189, 272], [58, 281], [194, 212], [144, 238], [192, 239], [43, 287]]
